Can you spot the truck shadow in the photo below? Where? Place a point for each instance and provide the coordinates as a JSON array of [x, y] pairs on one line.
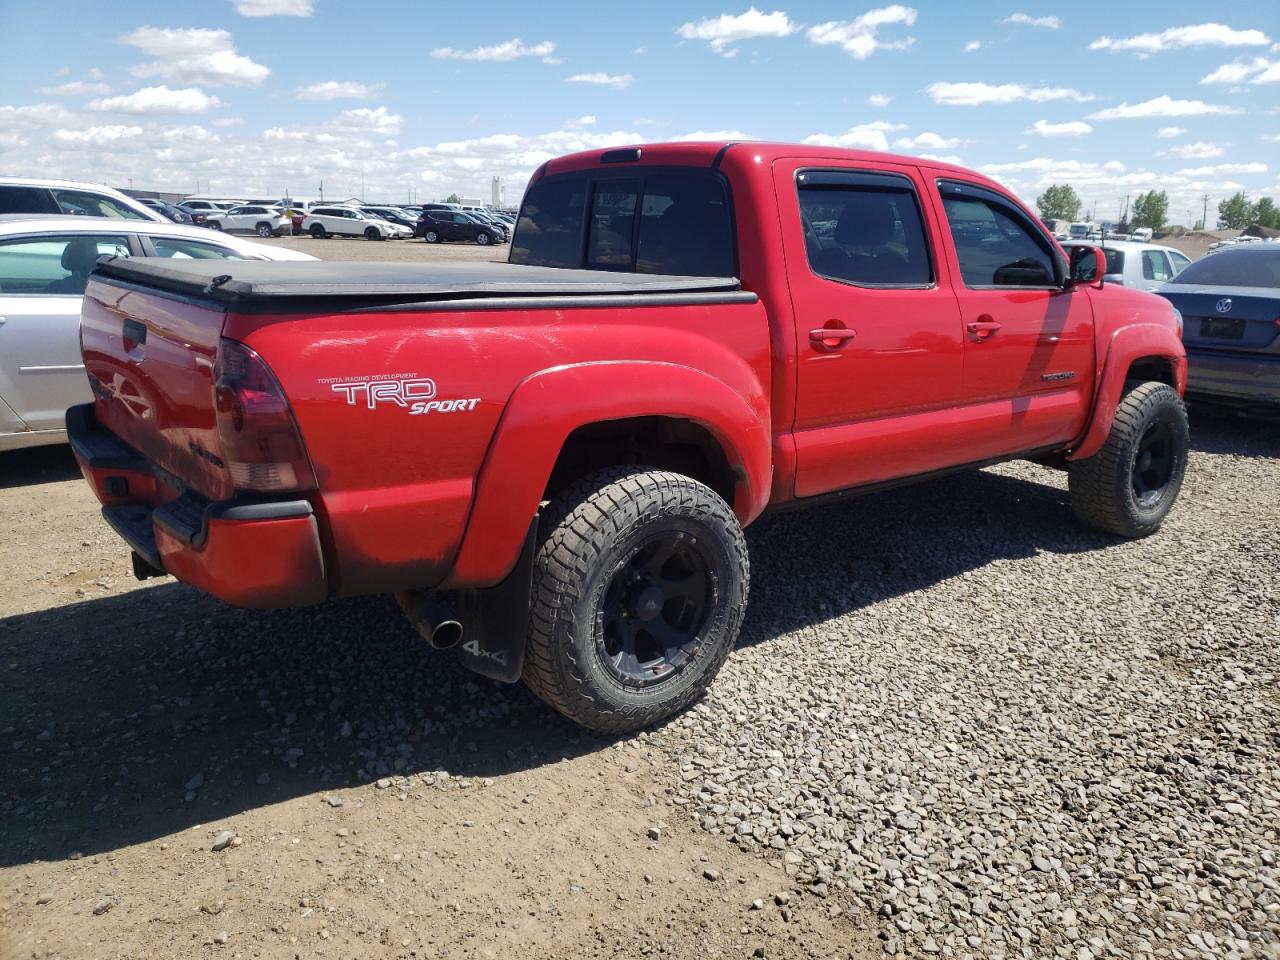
[[131, 717], [23, 468]]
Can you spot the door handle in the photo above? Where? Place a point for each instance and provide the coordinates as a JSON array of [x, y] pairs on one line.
[[982, 329], [831, 338]]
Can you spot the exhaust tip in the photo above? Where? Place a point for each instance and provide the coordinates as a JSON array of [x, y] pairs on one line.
[[447, 633]]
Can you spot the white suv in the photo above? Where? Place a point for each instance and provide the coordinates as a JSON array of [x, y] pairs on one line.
[[27, 195], [264, 221], [323, 221]]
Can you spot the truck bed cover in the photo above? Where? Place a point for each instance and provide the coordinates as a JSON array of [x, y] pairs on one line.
[[249, 283]]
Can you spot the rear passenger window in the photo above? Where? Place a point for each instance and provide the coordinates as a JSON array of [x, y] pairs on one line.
[[1155, 266], [685, 228], [56, 266], [995, 245], [26, 200], [863, 229]]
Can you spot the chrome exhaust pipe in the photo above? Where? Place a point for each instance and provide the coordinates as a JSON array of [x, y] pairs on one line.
[[445, 635], [434, 621]]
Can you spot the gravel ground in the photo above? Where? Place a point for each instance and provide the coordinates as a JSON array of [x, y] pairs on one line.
[[1001, 735], [341, 248], [957, 724]]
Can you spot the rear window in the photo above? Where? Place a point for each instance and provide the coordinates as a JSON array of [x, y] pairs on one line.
[[1234, 268], [660, 222], [1115, 261]]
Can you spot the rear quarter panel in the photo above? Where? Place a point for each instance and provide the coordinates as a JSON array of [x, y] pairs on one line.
[[396, 487]]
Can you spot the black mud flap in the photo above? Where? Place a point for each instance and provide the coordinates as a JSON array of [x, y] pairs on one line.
[[495, 620]]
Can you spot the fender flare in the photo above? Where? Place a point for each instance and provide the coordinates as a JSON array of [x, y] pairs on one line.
[[547, 407], [1129, 343]]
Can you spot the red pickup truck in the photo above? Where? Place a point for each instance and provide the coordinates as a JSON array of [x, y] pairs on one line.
[[550, 461]]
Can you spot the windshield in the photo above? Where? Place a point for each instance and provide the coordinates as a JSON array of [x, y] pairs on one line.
[[1234, 268], [1079, 231]]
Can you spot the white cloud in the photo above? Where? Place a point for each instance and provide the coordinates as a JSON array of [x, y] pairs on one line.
[[871, 136], [942, 158], [1072, 128], [1052, 23], [587, 120], [1257, 71], [158, 100], [194, 55], [76, 88], [713, 135], [95, 73], [227, 122], [377, 120], [274, 8], [727, 29], [972, 45], [617, 81], [96, 135], [928, 141], [1195, 151], [34, 115], [969, 94], [859, 37], [512, 49], [1272, 137], [1162, 106], [1219, 169], [338, 89], [1168, 133], [1177, 38], [639, 51], [879, 100]]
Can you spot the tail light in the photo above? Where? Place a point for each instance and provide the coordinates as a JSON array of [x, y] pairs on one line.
[[259, 438]]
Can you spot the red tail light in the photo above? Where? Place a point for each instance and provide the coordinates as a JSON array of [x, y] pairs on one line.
[[259, 438]]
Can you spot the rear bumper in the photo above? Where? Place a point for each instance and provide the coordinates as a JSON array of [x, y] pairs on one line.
[[1240, 378], [247, 552]]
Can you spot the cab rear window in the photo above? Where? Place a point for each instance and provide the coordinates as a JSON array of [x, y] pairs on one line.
[[658, 222]]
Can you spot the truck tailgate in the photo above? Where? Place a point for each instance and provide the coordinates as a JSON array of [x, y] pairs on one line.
[[150, 361]]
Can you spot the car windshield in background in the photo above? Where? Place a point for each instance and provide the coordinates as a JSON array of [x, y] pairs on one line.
[[1234, 268], [684, 224]]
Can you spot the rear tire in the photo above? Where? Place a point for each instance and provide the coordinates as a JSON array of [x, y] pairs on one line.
[[431, 236], [264, 230], [1129, 486], [318, 231], [639, 586]]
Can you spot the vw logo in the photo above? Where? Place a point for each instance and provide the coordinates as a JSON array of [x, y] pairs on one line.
[[1223, 305]]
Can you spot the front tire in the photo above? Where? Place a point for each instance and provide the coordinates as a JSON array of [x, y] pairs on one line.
[[213, 225], [639, 586], [483, 239], [318, 231], [372, 234], [1129, 486]]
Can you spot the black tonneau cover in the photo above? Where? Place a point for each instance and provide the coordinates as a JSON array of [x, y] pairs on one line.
[[258, 282]]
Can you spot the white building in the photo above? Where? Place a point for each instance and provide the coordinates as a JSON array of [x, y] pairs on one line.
[[499, 197]]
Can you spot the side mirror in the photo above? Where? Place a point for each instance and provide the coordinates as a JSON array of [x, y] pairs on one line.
[[1087, 267]]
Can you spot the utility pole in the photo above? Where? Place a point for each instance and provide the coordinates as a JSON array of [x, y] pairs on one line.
[[1204, 217]]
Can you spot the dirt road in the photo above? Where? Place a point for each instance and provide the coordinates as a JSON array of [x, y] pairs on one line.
[[384, 801]]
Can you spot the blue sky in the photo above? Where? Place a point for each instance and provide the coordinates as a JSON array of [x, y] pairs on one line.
[[418, 98]]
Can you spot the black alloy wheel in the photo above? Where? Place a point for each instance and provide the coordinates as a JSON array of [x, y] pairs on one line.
[[654, 610]]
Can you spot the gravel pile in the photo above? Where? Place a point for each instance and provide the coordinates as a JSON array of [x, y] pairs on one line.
[[992, 733]]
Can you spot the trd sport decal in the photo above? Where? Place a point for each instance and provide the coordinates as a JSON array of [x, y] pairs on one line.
[[408, 391]]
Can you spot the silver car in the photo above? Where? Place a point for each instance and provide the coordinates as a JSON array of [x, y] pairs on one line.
[[1143, 266], [44, 265]]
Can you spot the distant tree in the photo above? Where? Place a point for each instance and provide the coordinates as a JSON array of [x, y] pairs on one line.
[[1059, 202], [1151, 209], [1266, 214], [1235, 213], [453, 198]]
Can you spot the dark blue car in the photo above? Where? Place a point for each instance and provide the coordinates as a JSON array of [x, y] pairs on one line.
[[1230, 306]]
